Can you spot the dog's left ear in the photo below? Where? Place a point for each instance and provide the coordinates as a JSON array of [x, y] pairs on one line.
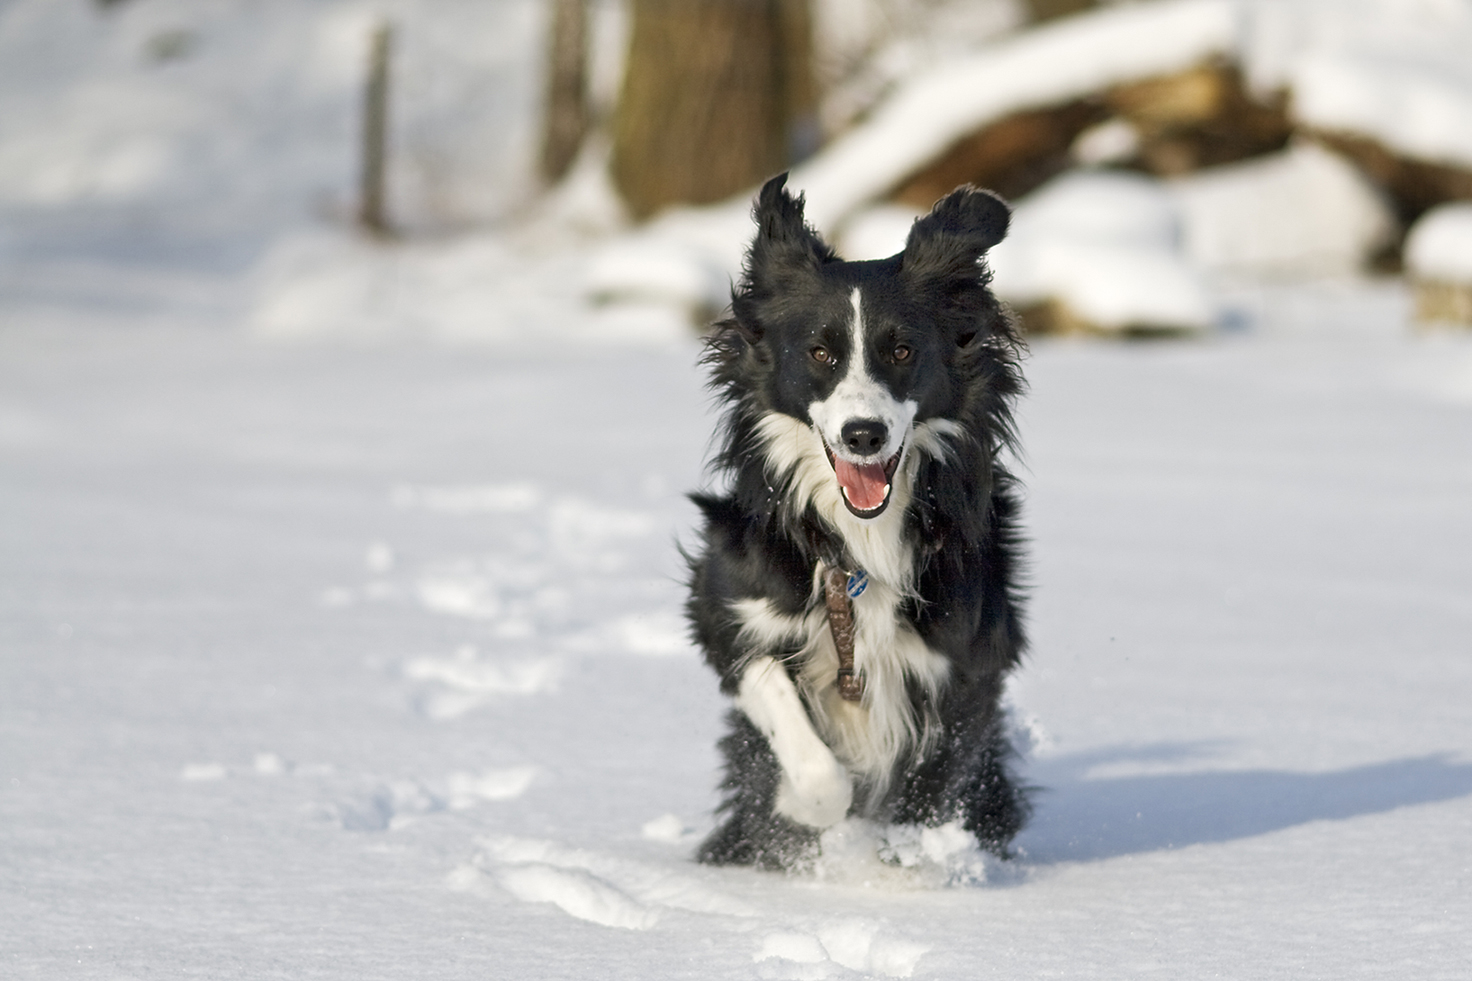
[[946, 246]]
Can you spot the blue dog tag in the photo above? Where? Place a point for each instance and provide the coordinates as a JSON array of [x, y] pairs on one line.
[[858, 581]]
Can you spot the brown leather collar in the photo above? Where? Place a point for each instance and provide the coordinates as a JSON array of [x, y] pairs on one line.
[[841, 624]]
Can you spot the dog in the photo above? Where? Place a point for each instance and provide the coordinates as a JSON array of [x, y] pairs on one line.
[[856, 583]]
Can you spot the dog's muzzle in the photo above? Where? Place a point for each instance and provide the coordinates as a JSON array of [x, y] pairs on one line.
[[865, 487]]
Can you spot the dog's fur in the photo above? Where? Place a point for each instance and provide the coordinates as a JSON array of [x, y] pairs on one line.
[[907, 364]]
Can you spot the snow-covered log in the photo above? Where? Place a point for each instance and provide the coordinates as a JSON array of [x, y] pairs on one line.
[[1052, 65], [1165, 125]]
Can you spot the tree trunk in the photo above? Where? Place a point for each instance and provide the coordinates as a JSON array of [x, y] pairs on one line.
[[1041, 10], [565, 121], [371, 210], [717, 95]]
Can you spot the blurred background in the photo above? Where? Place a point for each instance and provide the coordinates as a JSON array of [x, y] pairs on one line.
[[262, 162]]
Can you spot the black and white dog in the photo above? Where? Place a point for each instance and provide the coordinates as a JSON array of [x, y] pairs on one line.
[[869, 529]]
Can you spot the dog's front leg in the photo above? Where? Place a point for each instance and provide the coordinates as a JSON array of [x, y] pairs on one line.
[[815, 789]]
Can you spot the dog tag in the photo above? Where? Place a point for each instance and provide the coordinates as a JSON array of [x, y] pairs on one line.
[[858, 581]]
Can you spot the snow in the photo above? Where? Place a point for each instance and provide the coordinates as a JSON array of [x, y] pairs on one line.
[[340, 628], [1416, 112], [877, 232], [865, 48], [1106, 244], [1112, 141], [1439, 246], [660, 271], [1305, 211], [273, 81], [1392, 70], [1247, 686]]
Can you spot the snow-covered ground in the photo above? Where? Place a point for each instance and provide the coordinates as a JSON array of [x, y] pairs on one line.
[[365, 661], [340, 600]]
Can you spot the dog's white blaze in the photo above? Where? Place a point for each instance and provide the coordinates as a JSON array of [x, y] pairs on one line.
[[859, 396], [815, 789]]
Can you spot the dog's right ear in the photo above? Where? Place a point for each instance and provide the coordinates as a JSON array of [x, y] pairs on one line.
[[785, 248], [783, 237]]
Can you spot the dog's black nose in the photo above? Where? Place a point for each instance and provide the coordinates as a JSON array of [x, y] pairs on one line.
[[864, 436]]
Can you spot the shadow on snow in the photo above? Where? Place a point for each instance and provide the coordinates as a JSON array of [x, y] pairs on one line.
[[1082, 817]]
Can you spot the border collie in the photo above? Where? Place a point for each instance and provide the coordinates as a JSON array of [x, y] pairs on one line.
[[855, 587]]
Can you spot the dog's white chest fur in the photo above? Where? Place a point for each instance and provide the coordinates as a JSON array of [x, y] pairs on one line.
[[821, 741], [813, 730], [871, 735]]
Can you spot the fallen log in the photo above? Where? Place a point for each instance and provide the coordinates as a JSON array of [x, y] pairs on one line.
[[1183, 122], [1414, 186]]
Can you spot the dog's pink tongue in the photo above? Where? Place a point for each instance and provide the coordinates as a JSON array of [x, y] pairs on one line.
[[865, 484]]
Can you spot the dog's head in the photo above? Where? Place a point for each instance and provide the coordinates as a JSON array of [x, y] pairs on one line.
[[863, 352]]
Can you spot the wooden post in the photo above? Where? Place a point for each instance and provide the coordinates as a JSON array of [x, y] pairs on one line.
[[565, 117], [371, 214], [717, 96]]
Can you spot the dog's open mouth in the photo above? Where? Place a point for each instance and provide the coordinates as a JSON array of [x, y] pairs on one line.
[[864, 487]]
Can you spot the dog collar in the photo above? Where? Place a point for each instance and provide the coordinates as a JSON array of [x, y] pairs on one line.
[[840, 589]]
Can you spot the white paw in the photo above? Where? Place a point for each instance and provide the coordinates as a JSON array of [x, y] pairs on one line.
[[816, 793]]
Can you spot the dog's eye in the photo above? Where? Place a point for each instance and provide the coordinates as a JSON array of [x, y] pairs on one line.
[[901, 353], [821, 355]]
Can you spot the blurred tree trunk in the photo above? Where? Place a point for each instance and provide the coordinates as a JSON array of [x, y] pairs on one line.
[[717, 95], [1041, 10], [565, 121], [371, 209]]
